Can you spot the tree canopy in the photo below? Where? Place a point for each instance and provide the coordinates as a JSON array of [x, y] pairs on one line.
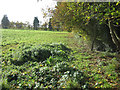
[[80, 16], [36, 23], [5, 22]]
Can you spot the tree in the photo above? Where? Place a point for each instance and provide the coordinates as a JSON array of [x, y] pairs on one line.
[[5, 22], [80, 15], [107, 13], [59, 18], [45, 26], [58, 26], [36, 23], [12, 25], [19, 25], [50, 26]]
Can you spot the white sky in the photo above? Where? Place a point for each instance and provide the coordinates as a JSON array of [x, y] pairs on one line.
[[24, 10]]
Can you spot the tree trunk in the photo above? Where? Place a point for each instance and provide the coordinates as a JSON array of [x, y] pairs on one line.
[[114, 35], [94, 33], [92, 46]]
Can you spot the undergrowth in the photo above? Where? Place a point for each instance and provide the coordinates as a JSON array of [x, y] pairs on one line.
[[42, 66], [102, 68]]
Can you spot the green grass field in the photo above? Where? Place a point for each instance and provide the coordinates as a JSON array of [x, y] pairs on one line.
[[46, 59], [11, 38]]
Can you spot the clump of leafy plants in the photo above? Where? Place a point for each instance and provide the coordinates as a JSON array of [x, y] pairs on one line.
[[59, 76], [41, 66], [36, 53]]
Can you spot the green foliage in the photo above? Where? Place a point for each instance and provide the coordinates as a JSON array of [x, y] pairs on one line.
[[86, 18], [36, 23], [101, 68], [44, 26], [64, 68], [37, 53], [13, 38], [22, 70], [43, 66], [5, 85], [5, 22], [50, 26], [20, 25]]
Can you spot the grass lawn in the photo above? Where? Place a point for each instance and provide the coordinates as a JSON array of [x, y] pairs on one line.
[[78, 68]]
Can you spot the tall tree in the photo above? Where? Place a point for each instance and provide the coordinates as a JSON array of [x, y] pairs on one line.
[[36, 23], [50, 26], [5, 22]]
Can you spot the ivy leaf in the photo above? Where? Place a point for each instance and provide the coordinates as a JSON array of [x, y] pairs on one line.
[[117, 12], [88, 17], [95, 9], [117, 3], [117, 23], [112, 13], [113, 8]]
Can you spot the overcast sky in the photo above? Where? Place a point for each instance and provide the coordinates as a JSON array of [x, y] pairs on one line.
[[24, 10]]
